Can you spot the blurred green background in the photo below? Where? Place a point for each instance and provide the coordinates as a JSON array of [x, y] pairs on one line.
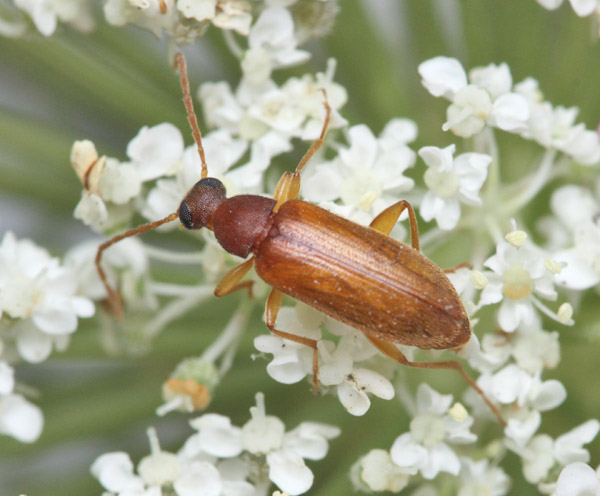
[[107, 85]]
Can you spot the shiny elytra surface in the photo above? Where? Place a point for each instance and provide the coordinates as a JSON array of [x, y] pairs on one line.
[[361, 277]]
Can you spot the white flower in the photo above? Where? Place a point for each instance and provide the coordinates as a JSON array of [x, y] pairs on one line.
[[425, 446], [527, 395], [199, 478], [45, 14], [234, 15], [543, 456], [220, 106], [225, 14], [568, 447], [216, 436], [519, 273], [352, 392], [199, 9], [161, 470], [537, 458], [550, 4], [270, 116], [377, 472], [535, 350], [110, 185], [582, 8], [293, 361], [19, 418], [272, 45], [487, 100], [513, 385], [542, 453], [156, 151], [575, 207], [578, 479], [285, 452], [115, 472], [451, 181], [158, 16], [479, 478], [555, 127], [34, 286], [120, 182], [368, 175]]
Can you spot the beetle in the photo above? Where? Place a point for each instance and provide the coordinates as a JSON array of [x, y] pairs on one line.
[[358, 275]]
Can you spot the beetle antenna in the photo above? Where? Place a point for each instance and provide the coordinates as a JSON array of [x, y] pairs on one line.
[[113, 297], [189, 108], [321, 139]]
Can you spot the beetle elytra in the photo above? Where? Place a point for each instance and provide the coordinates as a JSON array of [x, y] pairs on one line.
[[355, 274]]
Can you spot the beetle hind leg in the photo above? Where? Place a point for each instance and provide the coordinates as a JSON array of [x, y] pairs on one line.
[[395, 354], [271, 311]]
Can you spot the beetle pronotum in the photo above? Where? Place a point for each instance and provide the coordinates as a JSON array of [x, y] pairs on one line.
[[355, 274]]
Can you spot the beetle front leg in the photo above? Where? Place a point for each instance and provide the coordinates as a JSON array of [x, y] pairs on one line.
[[288, 187], [394, 353], [231, 281], [271, 311], [386, 220]]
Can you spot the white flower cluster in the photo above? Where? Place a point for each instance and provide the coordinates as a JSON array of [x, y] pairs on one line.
[[488, 98], [338, 371], [425, 451], [45, 16], [40, 304], [221, 459], [574, 235], [183, 22]]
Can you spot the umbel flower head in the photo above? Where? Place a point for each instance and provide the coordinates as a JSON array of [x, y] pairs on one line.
[[222, 459], [512, 155]]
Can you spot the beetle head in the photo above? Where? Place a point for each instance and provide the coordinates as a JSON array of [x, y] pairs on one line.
[[198, 207]]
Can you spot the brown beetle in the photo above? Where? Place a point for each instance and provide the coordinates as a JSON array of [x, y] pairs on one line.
[[355, 274]]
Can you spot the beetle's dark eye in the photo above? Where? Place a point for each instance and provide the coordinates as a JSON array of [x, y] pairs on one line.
[[185, 216]]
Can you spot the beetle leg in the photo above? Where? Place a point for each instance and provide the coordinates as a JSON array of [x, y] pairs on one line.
[[271, 311], [288, 187], [231, 281], [386, 220], [463, 265], [394, 353]]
